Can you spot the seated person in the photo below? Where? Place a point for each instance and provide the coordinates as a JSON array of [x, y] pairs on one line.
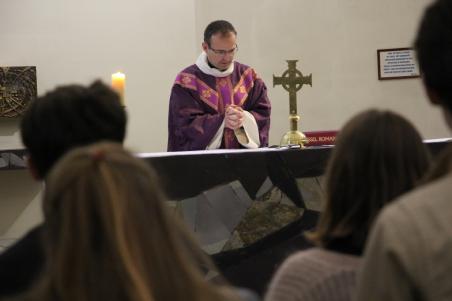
[[111, 236], [55, 123], [408, 255], [378, 156]]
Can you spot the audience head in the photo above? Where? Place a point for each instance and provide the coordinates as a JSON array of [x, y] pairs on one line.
[[378, 156], [434, 50], [110, 236], [67, 117]]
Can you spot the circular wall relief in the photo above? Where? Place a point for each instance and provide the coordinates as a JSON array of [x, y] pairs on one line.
[[17, 90]]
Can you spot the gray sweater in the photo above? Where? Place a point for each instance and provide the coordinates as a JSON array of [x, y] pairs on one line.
[[315, 275], [409, 252]]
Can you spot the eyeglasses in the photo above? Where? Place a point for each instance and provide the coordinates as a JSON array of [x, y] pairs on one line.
[[225, 52]]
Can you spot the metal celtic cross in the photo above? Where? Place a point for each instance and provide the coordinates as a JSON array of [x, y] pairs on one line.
[[292, 80]]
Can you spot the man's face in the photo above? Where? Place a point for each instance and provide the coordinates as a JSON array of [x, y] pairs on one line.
[[221, 51]]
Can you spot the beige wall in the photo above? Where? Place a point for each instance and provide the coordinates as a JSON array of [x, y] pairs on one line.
[[151, 40], [79, 41]]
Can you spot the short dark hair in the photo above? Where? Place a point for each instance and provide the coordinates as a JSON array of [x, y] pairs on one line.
[[68, 117], [378, 156], [219, 26], [434, 49]]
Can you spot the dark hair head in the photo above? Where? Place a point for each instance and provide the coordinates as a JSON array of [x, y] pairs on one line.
[[378, 156], [71, 116], [434, 50], [220, 26]]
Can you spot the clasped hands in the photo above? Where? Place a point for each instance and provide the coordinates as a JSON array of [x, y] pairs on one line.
[[233, 118]]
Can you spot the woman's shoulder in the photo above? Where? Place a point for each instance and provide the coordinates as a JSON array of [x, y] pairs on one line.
[[321, 259], [245, 294]]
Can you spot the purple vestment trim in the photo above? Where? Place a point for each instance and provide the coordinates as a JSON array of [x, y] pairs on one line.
[[207, 94], [245, 84], [225, 94], [224, 86]]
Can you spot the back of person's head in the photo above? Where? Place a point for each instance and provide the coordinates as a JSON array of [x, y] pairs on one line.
[[434, 50], [110, 237], [218, 27], [67, 117], [378, 156]]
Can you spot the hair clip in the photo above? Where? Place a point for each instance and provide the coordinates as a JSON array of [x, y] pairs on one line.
[[98, 155]]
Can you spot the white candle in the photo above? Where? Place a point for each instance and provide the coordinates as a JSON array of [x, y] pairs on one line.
[[118, 83]]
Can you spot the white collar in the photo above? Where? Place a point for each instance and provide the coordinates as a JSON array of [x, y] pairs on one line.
[[202, 64]]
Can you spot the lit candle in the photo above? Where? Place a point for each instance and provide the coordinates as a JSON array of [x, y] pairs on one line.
[[118, 83]]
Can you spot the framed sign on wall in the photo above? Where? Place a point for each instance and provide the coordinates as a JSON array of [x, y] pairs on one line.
[[397, 63]]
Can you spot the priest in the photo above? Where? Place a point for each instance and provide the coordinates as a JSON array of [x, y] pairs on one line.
[[218, 102]]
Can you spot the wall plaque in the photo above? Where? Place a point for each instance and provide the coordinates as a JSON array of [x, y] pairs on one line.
[[397, 63], [17, 90]]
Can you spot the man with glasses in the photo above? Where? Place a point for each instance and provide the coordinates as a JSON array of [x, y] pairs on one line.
[[218, 102]]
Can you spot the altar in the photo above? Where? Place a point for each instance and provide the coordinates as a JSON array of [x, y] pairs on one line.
[[231, 199], [249, 208]]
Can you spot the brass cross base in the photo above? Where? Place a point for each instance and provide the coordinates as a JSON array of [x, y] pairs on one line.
[[294, 136]]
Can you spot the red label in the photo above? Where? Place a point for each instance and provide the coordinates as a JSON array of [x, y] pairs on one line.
[[321, 138]]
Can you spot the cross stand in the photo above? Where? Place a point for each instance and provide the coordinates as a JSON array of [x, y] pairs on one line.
[[292, 80]]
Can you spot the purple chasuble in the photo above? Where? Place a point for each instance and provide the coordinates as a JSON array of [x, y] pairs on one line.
[[198, 102]]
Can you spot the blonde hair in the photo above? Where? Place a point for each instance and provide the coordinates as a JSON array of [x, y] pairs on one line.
[[109, 235]]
